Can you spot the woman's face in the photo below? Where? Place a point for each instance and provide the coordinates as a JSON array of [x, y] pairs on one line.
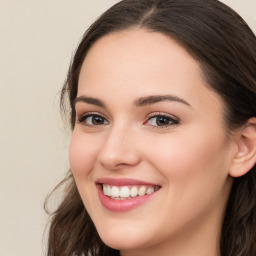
[[150, 132]]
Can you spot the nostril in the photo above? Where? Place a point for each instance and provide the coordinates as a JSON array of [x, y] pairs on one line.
[[114, 164], [116, 154]]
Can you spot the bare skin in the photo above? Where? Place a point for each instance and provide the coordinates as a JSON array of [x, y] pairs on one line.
[[177, 141]]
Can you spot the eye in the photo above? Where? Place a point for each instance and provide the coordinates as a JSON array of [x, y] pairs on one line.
[[92, 120], [161, 121]]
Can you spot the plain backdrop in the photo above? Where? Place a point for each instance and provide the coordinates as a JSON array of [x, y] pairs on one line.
[[37, 41]]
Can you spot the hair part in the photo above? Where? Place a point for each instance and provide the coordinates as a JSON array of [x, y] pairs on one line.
[[225, 47]]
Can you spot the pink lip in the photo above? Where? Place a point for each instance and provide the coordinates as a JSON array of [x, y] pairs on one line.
[[122, 205], [122, 182]]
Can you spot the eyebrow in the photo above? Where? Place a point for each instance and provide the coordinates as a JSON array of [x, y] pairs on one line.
[[140, 102], [90, 100], [148, 100]]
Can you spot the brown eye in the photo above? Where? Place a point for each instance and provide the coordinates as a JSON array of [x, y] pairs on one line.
[[97, 120], [92, 120], [162, 120]]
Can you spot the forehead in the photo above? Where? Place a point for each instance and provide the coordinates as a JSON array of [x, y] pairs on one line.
[[139, 63], [137, 45]]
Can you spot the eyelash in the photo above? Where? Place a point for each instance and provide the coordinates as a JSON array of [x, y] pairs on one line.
[[171, 120], [82, 119]]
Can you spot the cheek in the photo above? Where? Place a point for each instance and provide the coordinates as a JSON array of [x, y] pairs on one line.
[[194, 156], [195, 172], [82, 154]]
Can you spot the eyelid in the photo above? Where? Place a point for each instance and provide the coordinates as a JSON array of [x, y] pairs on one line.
[[174, 120], [87, 114], [162, 114]]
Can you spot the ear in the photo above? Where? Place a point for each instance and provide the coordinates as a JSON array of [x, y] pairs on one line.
[[245, 157]]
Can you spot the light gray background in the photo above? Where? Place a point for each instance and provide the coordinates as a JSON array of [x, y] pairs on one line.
[[37, 40]]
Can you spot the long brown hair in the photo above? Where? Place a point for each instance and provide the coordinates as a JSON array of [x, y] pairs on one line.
[[225, 47]]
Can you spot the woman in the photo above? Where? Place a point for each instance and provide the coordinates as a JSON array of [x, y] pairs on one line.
[[162, 96]]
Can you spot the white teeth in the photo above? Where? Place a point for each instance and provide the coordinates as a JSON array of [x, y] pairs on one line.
[[149, 191], [115, 191], [108, 191], [142, 190], [134, 191], [105, 188], [126, 192]]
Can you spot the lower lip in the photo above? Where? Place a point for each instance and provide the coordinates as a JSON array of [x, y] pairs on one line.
[[122, 205]]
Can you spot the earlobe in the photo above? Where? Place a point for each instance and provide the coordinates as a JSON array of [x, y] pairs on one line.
[[245, 157]]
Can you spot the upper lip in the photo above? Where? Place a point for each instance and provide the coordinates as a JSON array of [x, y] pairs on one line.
[[122, 182]]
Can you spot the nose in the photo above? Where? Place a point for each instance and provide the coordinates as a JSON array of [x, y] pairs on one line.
[[119, 149]]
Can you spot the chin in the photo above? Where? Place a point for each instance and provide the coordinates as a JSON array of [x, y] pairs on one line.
[[123, 238]]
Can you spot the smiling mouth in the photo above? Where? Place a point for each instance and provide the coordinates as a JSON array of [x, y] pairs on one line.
[[127, 192]]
